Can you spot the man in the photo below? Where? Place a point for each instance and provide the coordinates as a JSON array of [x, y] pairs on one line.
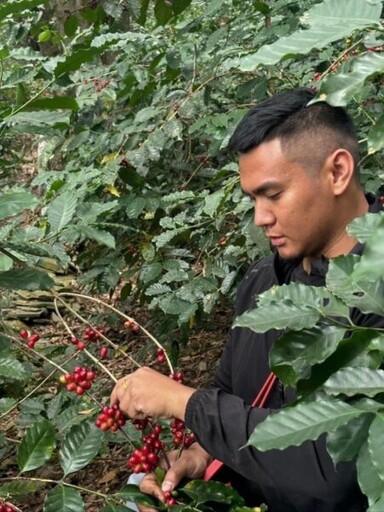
[[298, 163]]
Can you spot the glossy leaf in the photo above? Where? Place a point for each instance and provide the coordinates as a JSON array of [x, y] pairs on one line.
[[298, 293], [202, 492], [80, 446], [328, 21], [305, 421], [376, 444], [25, 280], [363, 228], [348, 350], [345, 442], [371, 264], [343, 280], [367, 475], [278, 316], [293, 354], [12, 204], [61, 211], [37, 446], [356, 381], [338, 89], [63, 499]]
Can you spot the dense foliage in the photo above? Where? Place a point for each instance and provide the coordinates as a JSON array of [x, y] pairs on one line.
[[127, 106]]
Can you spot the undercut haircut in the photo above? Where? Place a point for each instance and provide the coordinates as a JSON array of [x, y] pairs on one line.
[[308, 133]]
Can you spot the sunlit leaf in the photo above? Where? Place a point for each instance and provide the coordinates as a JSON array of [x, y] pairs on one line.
[[356, 381], [293, 426]]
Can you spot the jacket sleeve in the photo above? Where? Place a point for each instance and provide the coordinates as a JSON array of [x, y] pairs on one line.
[[297, 479]]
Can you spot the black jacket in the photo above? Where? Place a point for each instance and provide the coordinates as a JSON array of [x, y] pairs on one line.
[[297, 479]]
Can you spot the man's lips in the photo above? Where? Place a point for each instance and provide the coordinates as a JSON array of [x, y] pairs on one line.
[[276, 241]]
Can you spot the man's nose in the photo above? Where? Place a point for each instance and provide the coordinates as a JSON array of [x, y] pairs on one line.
[[263, 216]]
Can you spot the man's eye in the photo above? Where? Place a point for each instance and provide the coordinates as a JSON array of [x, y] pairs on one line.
[[274, 197]]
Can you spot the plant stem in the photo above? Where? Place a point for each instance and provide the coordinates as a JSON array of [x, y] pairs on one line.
[[123, 315], [77, 315], [70, 332]]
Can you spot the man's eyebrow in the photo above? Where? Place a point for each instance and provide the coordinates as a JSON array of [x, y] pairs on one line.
[[259, 191]]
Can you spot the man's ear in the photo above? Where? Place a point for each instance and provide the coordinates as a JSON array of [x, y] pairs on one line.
[[341, 168]]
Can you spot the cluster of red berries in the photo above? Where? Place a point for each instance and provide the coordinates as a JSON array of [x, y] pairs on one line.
[[169, 498], [79, 381], [5, 507], [32, 339], [98, 83], [111, 418], [179, 435], [145, 459], [132, 325]]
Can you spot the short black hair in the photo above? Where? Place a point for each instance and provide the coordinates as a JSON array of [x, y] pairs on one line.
[[287, 115]]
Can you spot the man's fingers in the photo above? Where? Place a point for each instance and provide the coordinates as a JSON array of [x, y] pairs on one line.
[[149, 485]]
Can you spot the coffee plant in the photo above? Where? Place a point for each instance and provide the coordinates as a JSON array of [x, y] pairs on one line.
[[124, 108]]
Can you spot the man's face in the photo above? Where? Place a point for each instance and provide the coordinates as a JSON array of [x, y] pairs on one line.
[[296, 207]]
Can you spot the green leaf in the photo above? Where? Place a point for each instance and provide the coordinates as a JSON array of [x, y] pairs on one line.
[[345, 442], [10, 7], [63, 499], [376, 136], [278, 316], [75, 59], [100, 236], [80, 446], [61, 211], [363, 228], [344, 282], [305, 421], [132, 493], [353, 381], [14, 203], [55, 103], [217, 492], [25, 280], [367, 476], [18, 488], [213, 202], [70, 26], [339, 88], [376, 444], [328, 21], [163, 12], [37, 446], [293, 354], [179, 6], [11, 368], [378, 506], [371, 265], [348, 350], [31, 122]]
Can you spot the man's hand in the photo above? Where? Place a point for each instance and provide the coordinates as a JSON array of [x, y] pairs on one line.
[[146, 392], [191, 463]]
